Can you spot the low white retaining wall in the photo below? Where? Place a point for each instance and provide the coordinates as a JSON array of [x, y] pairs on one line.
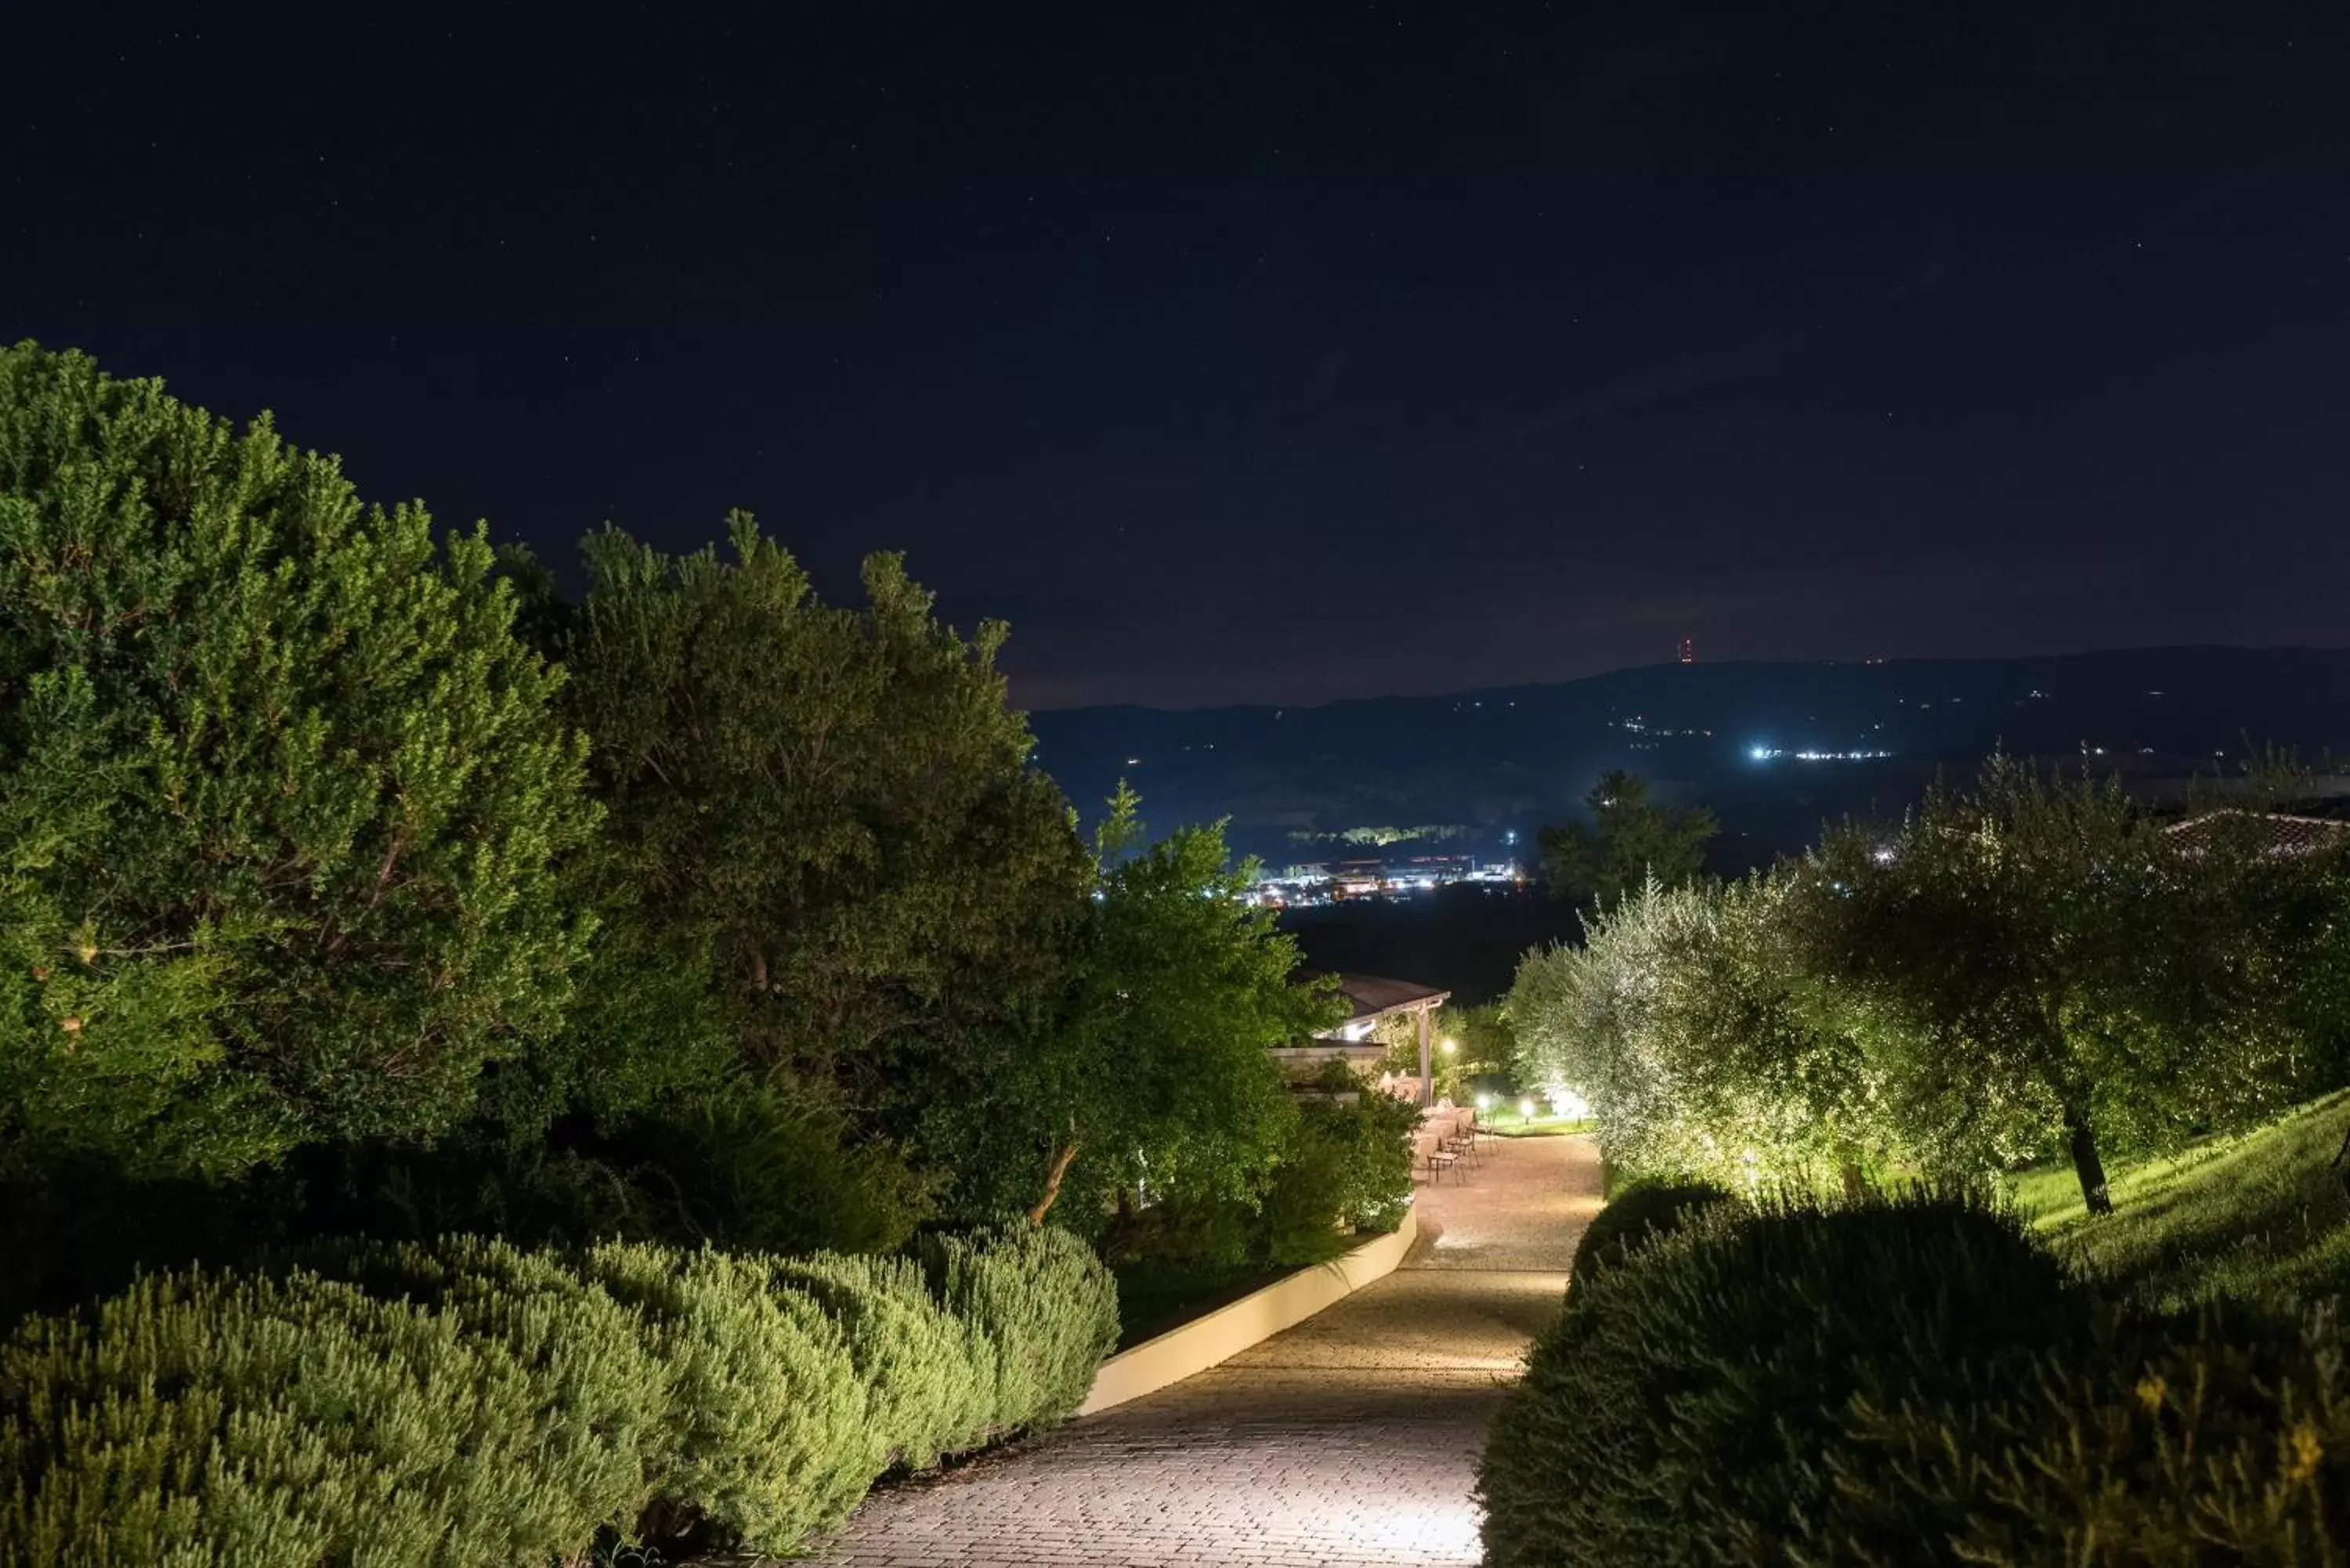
[[1226, 1332]]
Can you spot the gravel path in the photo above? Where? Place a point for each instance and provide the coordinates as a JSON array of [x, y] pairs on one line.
[[1350, 1439]]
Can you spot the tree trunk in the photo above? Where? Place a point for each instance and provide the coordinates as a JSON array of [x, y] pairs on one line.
[[2086, 1165], [1060, 1168], [1855, 1184]]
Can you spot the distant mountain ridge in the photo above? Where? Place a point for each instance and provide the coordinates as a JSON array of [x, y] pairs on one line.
[[1774, 747]]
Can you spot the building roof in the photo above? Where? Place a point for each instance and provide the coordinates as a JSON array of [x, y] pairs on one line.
[[1375, 996], [2275, 833]]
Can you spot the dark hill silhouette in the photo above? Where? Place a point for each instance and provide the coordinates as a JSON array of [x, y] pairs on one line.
[[1508, 759]]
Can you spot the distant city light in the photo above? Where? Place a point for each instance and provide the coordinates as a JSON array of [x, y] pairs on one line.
[[1760, 753], [1323, 883]]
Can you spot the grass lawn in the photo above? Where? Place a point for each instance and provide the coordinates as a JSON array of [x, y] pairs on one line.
[[1508, 1124], [2245, 1216]]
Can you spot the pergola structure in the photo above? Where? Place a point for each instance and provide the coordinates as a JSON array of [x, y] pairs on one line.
[[1370, 997]]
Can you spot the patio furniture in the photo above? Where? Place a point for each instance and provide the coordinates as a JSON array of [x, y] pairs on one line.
[[1430, 1153]]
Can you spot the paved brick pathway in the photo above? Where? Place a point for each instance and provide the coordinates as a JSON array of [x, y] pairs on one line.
[[1351, 1440]]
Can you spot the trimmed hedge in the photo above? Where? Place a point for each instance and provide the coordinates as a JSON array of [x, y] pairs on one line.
[[931, 1375], [1909, 1380], [468, 1402], [1047, 1344], [1685, 1406], [2218, 1438], [1642, 1210]]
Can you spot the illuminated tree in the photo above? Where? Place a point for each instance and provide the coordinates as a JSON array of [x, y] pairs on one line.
[[1704, 1048], [2047, 963], [1772, 1058], [1588, 1019], [281, 797]]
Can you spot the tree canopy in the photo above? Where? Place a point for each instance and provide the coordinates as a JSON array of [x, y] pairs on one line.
[[2033, 964], [1629, 839], [828, 869], [2052, 960], [281, 796], [1155, 1075]]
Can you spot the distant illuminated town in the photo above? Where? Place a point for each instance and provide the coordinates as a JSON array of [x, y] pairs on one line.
[[1343, 881], [1781, 753]]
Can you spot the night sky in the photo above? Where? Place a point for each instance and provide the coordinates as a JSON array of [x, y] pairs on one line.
[[1272, 353]]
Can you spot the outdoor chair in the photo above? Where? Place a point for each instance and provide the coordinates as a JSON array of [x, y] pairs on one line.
[[1429, 1154]]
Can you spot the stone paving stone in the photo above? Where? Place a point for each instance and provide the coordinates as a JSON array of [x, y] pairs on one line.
[[1350, 1441]]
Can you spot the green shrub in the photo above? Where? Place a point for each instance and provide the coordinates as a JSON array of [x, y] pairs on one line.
[[1643, 1209], [754, 1167], [1687, 1407], [469, 1402], [1047, 1305], [1186, 1233], [255, 1422], [2218, 1438], [1342, 1165], [771, 1440], [607, 1399], [930, 1377]]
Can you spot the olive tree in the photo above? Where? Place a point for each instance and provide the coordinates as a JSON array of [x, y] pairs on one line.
[[1704, 1048], [1590, 1018], [2049, 963], [1772, 1056]]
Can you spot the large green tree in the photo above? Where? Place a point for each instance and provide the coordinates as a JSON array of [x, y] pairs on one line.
[[1705, 1047], [2047, 963], [281, 796], [1585, 1018], [1629, 839], [1154, 1076], [827, 863], [1779, 1059], [1612, 1019]]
